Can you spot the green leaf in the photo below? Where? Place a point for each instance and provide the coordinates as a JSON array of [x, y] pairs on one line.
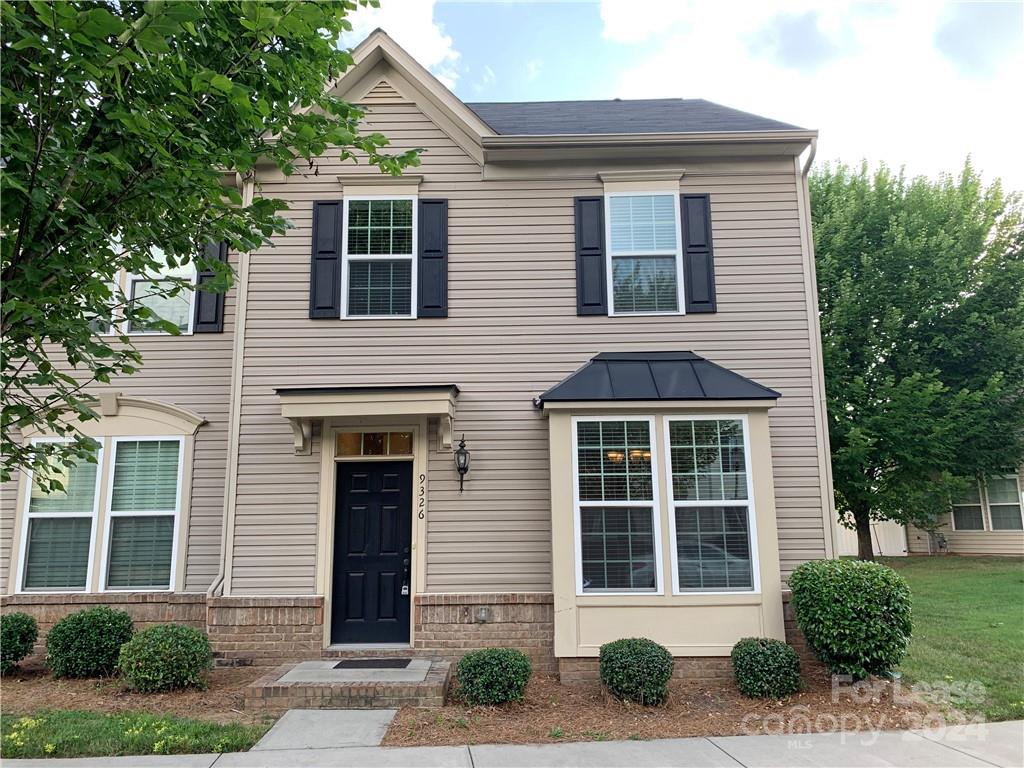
[[222, 83], [99, 22]]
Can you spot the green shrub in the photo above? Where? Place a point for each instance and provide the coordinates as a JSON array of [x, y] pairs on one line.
[[493, 675], [854, 614], [164, 658], [636, 669], [86, 644], [18, 633], [765, 668]]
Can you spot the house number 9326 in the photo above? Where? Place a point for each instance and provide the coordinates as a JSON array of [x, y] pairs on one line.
[[421, 503]]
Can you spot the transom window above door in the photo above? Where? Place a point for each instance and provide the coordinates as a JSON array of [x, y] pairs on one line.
[[373, 444], [644, 253], [379, 270]]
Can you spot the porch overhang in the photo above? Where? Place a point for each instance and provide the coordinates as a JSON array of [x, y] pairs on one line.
[[303, 406]]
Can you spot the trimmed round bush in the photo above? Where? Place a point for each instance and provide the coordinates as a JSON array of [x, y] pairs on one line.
[[636, 669], [18, 634], [493, 675], [165, 658], [765, 668], [86, 643], [854, 614]]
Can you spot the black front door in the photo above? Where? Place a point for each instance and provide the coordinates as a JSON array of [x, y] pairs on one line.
[[372, 542]]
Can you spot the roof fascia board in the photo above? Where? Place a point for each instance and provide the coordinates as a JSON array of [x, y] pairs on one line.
[[659, 406], [647, 139]]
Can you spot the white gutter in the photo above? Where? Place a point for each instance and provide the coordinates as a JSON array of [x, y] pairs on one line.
[[234, 403]]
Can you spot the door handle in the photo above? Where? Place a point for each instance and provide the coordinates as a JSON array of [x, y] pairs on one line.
[[405, 577]]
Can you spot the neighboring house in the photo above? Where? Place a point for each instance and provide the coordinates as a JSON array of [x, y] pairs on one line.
[[888, 538], [987, 520], [612, 302]]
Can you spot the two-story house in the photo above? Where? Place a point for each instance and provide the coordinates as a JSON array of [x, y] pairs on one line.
[[611, 303]]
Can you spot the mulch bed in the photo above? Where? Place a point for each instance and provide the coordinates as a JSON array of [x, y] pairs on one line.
[[552, 712], [28, 690]]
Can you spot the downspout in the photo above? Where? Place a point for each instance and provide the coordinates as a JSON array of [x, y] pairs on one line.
[[235, 403], [825, 453]]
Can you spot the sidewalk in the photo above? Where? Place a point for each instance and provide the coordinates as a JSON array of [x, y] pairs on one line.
[[994, 744]]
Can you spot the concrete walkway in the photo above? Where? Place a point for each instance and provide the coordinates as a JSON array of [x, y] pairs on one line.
[[979, 746]]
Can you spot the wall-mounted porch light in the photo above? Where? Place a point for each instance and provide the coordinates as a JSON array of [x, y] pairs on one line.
[[462, 461]]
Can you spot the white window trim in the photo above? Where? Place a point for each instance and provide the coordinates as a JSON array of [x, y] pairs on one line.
[[609, 281], [981, 503], [109, 514], [987, 508], [755, 565], [27, 516], [655, 504], [128, 285], [413, 297]]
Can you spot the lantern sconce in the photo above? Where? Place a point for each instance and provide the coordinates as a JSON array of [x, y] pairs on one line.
[[462, 461]]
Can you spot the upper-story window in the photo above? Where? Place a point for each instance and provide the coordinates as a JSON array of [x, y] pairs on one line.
[[151, 291], [379, 268], [644, 253]]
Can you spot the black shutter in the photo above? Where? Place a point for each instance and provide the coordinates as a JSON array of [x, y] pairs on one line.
[[325, 264], [591, 294], [208, 310], [432, 267], [698, 253]]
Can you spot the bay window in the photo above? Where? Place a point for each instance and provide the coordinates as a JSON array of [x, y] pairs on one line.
[[710, 495], [616, 506]]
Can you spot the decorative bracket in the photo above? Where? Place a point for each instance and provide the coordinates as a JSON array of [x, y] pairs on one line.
[[445, 427], [302, 434]]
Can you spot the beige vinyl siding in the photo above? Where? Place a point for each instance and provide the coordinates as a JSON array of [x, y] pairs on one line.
[[511, 333], [192, 372]]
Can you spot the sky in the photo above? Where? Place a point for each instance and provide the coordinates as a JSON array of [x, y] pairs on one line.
[[915, 84]]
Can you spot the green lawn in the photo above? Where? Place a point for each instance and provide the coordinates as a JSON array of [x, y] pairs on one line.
[[968, 626], [69, 733]]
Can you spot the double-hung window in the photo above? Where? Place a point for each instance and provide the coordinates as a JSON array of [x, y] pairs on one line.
[[152, 291], [711, 518], [131, 520], [379, 264], [1004, 503], [1000, 496], [142, 508], [967, 510], [645, 269], [60, 528], [616, 506]]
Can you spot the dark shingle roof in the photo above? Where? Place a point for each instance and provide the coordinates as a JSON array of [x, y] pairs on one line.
[[547, 118], [655, 376]]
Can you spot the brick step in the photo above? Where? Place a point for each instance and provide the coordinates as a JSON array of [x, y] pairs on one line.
[[272, 694]]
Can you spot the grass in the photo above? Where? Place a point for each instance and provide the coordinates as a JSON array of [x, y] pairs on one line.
[[70, 733], [968, 617]]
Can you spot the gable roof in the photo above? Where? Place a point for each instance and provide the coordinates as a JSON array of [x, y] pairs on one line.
[[617, 116], [655, 376]]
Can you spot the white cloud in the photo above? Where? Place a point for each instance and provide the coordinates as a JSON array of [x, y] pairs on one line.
[[486, 80], [877, 87], [533, 67], [411, 24]]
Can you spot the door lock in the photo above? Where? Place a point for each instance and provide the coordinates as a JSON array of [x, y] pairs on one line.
[[405, 577]]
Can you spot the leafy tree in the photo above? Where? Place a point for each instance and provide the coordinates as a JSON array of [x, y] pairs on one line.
[[123, 127], [921, 287]]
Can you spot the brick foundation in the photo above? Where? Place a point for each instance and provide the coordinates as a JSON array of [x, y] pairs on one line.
[[264, 631], [449, 625], [689, 668], [145, 608]]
